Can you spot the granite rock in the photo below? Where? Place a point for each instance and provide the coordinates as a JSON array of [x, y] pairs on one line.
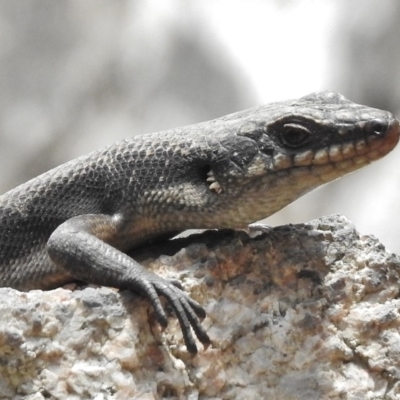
[[308, 311]]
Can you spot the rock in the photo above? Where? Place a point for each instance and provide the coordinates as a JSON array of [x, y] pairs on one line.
[[308, 311]]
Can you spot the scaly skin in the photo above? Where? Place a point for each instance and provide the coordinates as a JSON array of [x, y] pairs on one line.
[[76, 221]]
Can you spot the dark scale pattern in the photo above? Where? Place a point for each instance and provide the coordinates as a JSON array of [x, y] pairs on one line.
[[75, 221]]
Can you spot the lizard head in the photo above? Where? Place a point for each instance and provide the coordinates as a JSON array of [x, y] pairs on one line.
[[326, 129], [285, 149]]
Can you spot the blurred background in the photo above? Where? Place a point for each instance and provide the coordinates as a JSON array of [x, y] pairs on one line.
[[78, 75]]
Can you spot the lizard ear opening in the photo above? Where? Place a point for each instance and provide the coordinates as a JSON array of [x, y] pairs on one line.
[[213, 183], [207, 176]]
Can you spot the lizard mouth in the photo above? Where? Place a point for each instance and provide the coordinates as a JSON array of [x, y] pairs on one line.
[[346, 157]]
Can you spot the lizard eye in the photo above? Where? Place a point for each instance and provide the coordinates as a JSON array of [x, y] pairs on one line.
[[295, 135]]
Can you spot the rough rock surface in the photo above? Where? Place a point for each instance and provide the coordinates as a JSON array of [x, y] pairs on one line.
[[308, 311]]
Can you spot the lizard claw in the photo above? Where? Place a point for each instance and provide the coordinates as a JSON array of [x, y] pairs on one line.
[[176, 283], [187, 310]]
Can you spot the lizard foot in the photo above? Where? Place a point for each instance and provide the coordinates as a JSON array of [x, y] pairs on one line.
[[187, 310]]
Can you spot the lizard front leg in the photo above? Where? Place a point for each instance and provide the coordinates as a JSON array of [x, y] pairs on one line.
[[80, 247]]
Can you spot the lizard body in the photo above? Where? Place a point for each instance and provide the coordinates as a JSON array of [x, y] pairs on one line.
[[76, 221]]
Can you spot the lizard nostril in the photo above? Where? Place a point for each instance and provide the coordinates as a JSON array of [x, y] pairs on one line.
[[377, 126]]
